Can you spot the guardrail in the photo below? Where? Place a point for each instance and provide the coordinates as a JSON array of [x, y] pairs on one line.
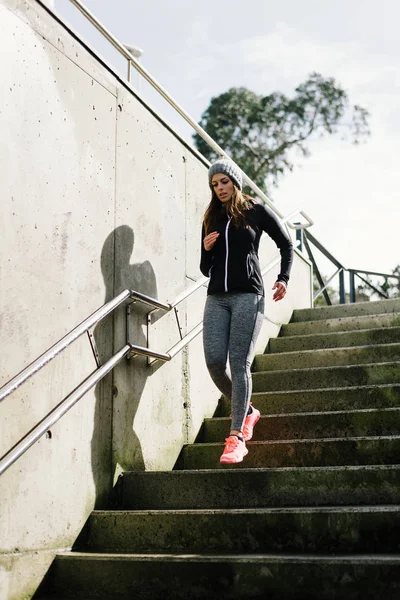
[[305, 238], [128, 350]]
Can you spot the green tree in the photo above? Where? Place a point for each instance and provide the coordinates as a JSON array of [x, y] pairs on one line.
[[259, 132], [392, 285]]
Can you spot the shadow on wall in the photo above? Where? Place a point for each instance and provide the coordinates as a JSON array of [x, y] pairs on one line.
[[118, 395]]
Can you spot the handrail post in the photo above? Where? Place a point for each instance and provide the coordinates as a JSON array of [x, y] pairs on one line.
[[352, 286], [342, 289], [316, 271], [299, 238]]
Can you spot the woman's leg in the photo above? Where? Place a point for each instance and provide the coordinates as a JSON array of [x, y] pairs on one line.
[[216, 325], [246, 322]]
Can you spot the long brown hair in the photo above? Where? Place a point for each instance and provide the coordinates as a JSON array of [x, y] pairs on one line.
[[235, 207]]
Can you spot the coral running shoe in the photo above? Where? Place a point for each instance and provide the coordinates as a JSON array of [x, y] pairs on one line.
[[249, 423], [234, 451]]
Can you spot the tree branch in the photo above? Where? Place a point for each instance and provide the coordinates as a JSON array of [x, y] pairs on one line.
[[251, 149], [289, 143]]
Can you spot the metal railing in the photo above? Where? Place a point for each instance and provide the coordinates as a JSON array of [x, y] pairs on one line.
[[353, 273], [68, 402], [305, 238], [59, 346], [128, 350], [30, 438]]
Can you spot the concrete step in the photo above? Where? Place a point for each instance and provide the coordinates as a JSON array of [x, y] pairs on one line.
[[88, 576], [344, 529], [342, 324], [327, 357], [383, 450], [260, 488], [323, 377], [315, 425], [338, 339], [346, 310], [318, 400]]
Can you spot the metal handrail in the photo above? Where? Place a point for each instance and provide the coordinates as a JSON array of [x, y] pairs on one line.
[[193, 332], [173, 351], [303, 238], [199, 283], [63, 343], [202, 133], [375, 273], [64, 406], [327, 282], [381, 293], [40, 429], [97, 316], [30, 438], [87, 324], [297, 226]]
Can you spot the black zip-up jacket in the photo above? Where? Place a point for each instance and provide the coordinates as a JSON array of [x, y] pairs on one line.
[[233, 264]]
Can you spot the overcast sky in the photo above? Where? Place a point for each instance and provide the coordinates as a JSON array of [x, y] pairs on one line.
[[199, 50]]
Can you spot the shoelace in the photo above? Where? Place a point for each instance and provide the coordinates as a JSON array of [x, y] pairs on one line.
[[231, 443]]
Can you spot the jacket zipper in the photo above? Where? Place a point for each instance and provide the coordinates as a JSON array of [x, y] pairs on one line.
[[227, 253]]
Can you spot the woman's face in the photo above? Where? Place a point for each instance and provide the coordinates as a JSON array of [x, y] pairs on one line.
[[222, 186]]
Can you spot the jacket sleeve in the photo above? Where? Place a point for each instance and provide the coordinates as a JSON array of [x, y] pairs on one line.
[[274, 229], [206, 257]]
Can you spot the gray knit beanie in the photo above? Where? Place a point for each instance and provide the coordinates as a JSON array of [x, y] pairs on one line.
[[227, 167]]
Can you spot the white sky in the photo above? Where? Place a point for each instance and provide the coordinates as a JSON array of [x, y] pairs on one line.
[[199, 50]]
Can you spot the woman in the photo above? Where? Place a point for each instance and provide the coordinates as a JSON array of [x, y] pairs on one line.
[[233, 315]]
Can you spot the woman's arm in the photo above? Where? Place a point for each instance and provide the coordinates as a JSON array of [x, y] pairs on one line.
[[274, 229], [206, 256]]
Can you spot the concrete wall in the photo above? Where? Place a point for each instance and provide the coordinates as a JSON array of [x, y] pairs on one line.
[[97, 195]]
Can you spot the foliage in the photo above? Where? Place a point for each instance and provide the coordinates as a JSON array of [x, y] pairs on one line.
[[259, 132], [392, 285]]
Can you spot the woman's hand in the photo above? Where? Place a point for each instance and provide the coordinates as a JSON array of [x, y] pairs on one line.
[[280, 291], [210, 240]]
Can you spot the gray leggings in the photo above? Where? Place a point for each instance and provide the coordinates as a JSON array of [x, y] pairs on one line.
[[231, 326]]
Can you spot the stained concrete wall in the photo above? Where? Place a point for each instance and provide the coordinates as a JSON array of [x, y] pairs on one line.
[[97, 194]]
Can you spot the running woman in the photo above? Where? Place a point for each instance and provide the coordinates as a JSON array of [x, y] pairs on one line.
[[232, 227]]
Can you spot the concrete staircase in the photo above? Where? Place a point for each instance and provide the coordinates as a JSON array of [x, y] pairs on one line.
[[313, 512]]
